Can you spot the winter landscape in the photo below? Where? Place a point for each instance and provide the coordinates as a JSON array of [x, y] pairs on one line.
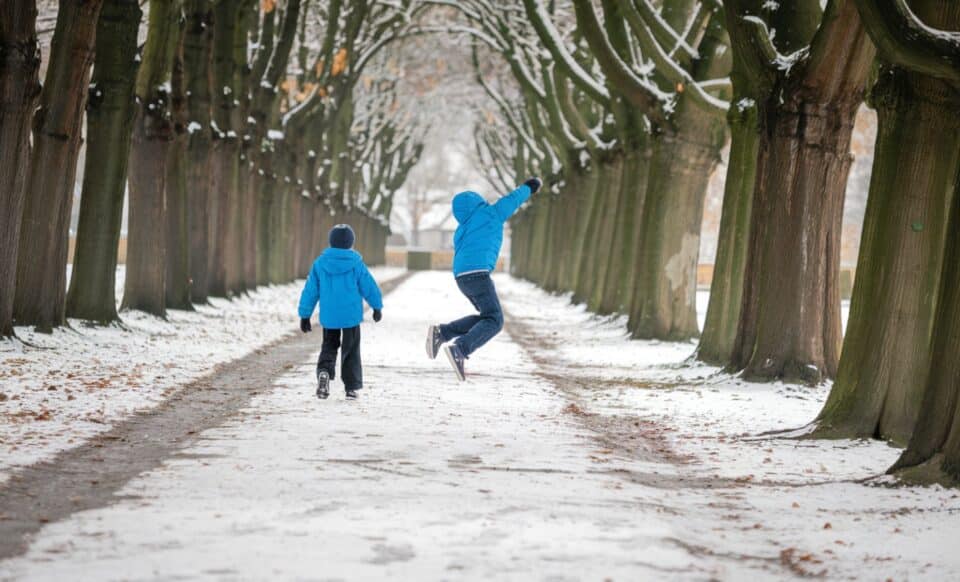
[[474, 290]]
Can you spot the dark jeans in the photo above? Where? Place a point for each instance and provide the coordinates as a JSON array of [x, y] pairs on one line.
[[473, 331], [347, 341]]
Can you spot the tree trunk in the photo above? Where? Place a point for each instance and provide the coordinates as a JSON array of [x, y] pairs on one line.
[[40, 293], [153, 134], [198, 55], [665, 300], [934, 451], [225, 149], [790, 324], [178, 225], [620, 276], [790, 315], [726, 290], [905, 260], [110, 112], [19, 89], [602, 240]]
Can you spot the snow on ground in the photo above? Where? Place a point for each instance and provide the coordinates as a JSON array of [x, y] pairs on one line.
[[67, 386], [829, 498], [507, 476]]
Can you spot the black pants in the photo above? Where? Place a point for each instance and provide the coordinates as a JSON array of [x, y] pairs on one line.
[[347, 341]]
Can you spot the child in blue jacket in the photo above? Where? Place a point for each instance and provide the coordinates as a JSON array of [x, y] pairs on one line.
[[476, 247], [340, 282]]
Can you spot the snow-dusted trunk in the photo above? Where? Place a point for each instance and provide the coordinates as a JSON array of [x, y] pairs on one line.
[[19, 89], [263, 183], [790, 319], [178, 226], [621, 274], [580, 195], [790, 316], [145, 284], [40, 295], [110, 112], [225, 152], [197, 55], [664, 302], [726, 289], [593, 212], [897, 335], [601, 239]]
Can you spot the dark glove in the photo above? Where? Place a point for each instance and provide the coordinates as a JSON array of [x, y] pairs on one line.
[[534, 184], [377, 315], [305, 324]]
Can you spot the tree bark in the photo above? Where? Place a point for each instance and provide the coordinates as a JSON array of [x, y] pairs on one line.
[[198, 55], [905, 260], [145, 286], [178, 225], [933, 454], [790, 316], [226, 149], [726, 289], [110, 112], [665, 300], [19, 90], [40, 296], [887, 348]]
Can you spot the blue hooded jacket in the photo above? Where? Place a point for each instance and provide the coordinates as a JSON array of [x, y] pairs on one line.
[[477, 242], [340, 282]]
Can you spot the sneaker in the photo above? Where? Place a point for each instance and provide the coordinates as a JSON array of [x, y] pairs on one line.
[[352, 394], [323, 384], [456, 360], [434, 341]]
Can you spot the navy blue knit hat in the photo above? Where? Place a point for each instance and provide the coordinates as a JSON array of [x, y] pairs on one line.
[[341, 236]]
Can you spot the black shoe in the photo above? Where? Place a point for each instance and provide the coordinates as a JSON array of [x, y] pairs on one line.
[[352, 394], [456, 360], [323, 384], [434, 341]]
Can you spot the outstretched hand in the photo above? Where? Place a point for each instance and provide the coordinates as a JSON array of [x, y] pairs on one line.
[[534, 184], [377, 315], [305, 325]]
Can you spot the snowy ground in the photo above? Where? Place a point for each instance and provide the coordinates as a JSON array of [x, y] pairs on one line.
[[571, 453], [65, 387]]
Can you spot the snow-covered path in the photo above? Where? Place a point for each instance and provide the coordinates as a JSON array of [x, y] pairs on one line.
[[423, 478]]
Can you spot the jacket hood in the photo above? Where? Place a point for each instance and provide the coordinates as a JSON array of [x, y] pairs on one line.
[[465, 204], [336, 261]]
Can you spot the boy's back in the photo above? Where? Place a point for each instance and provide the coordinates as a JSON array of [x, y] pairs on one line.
[[340, 282]]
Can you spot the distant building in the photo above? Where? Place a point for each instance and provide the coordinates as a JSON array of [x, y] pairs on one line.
[[436, 229]]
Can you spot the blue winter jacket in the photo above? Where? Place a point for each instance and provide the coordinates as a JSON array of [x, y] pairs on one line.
[[476, 244], [340, 282]]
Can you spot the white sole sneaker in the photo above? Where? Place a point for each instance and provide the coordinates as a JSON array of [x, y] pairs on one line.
[[453, 364], [431, 331]]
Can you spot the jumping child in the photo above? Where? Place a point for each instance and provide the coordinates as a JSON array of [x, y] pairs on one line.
[[476, 247], [340, 282]]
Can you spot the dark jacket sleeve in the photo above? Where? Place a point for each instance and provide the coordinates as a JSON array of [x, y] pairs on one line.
[[506, 206], [310, 294], [369, 289]]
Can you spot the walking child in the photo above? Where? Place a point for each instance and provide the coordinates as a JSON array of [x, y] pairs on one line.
[[340, 282], [476, 247]]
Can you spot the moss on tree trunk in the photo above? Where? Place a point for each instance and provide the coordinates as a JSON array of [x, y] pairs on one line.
[[19, 89], [40, 295], [110, 113], [726, 289]]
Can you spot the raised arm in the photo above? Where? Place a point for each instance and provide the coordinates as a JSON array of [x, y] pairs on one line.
[[509, 204]]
